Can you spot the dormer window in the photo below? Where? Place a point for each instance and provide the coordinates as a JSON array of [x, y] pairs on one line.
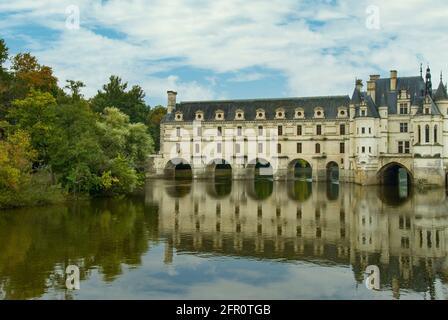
[[279, 114], [239, 115], [363, 112], [427, 110], [404, 108], [342, 112], [318, 113], [178, 116], [260, 114], [299, 113], [199, 115], [219, 115]]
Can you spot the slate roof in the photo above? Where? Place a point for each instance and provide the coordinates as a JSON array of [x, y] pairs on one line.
[[440, 93], [329, 104]]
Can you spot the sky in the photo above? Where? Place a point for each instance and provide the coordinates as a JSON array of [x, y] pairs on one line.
[[229, 49]]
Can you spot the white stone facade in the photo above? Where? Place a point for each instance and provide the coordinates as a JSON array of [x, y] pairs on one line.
[[396, 123]]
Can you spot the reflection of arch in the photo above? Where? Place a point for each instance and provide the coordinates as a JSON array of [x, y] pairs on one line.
[[299, 190], [395, 174], [178, 189], [394, 196], [301, 169], [219, 188], [260, 167], [178, 168], [260, 189], [332, 172], [219, 168]]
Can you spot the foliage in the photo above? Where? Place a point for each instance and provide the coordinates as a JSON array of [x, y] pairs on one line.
[[129, 102], [153, 121]]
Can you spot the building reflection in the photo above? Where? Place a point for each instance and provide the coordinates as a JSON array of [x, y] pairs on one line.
[[403, 232]]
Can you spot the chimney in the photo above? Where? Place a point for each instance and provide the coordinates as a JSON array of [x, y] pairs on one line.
[[393, 80], [371, 86], [358, 84], [171, 101]]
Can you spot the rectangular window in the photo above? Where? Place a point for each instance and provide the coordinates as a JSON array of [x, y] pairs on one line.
[[219, 131], [279, 148], [342, 129], [363, 149], [318, 129], [342, 147], [239, 131], [400, 147], [260, 130], [299, 130], [237, 148], [404, 147], [403, 108], [196, 147], [299, 147], [178, 131], [317, 148], [426, 110], [280, 130], [403, 127], [370, 130], [260, 147], [370, 149], [407, 148], [218, 149], [363, 130], [363, 113]]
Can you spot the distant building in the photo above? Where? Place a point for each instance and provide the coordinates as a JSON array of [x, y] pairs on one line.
[[395, 129]]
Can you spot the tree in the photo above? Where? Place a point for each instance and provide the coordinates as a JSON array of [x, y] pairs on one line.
[[28, 74], [129, 102], [36, 115], [153, 121], [75, 89], [5, 79]]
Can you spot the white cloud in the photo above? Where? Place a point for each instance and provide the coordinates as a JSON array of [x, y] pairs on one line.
[[319, 46]]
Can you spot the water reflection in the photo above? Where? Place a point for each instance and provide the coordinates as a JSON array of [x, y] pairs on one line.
[[187, 236]]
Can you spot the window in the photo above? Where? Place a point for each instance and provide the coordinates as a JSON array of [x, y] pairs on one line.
[[239, 115], [370, 130], [342, 129], [237, 148], [318, 129], [218, 149], [427, 133], [427, 110], [403, 108], [403, 147], [260, 147], [239, 131], [403, 127], [260, 130], [363, 113], [178, 131], [435, 134], [197, 147], [317, 148], [342, 147], [280, 130], [299, 147], [419, 134], [370, 149], [178, 116], [363, 149], [299, 130], [363, 130], [219, 131], [279, 148]]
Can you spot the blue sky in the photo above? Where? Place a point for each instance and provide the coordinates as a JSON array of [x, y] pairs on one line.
[[226, 49]]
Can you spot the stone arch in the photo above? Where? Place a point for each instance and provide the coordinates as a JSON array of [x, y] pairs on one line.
[[393, 173], [300, 169], [260, 168], [178, 168], [332, 170], [219, 168]]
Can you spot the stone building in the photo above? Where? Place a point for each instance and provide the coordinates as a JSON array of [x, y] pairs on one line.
[[396, 129]]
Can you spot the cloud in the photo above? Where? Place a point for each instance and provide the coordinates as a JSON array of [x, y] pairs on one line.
[[319, 46]]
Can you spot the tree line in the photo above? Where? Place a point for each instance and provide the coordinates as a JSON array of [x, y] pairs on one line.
[[55, 143]]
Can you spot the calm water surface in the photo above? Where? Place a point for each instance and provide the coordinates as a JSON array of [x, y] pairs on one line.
[[250, 240]]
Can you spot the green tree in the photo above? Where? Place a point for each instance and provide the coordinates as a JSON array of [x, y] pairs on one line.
[[130, 102], [28, 74], [5, 79], [36, 115], [153, 121]]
